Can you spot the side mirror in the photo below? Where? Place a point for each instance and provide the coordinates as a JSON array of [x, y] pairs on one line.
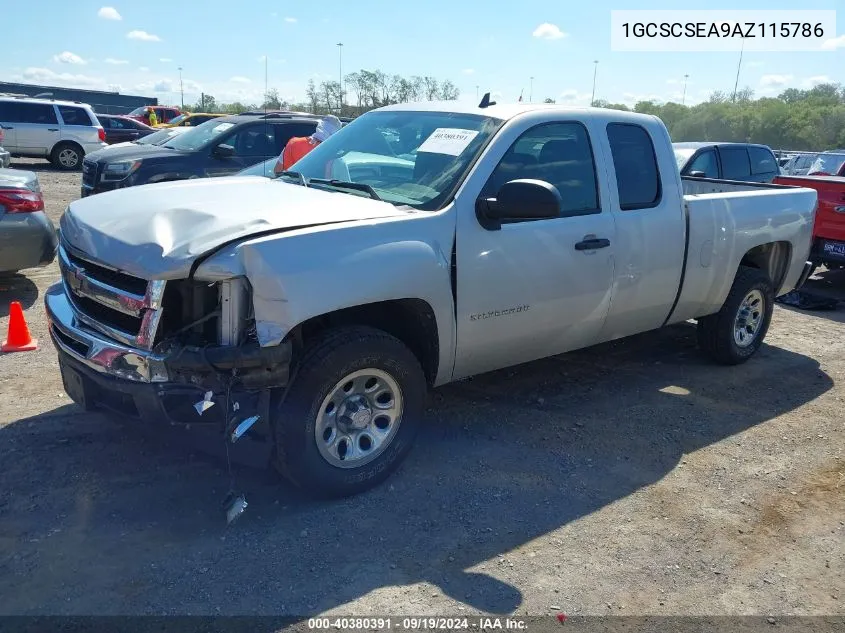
[[224, 151], [519, 200], [697, 174]]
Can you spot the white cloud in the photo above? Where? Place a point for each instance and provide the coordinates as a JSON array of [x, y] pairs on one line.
[[109, 13], [115, 62], [812, 82], [165, 60], [144, 69], [548, 31], [755, 64], [240, 80], [631, 98], [775, 80], [143, 36], [47, 76], [573, 97], [834, 43], [469, 71], [679, 82], [290, 20], [69, 58], [165, 85]]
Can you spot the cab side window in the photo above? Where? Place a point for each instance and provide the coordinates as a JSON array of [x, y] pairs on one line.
[[637, 176], [706, 163], [559, 154], [735, 165]]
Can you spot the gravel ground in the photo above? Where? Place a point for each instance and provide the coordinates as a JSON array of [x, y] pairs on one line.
[[632, 478]]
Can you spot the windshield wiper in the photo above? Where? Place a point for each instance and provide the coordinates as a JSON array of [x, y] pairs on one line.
[[345, 184], [295, 174]]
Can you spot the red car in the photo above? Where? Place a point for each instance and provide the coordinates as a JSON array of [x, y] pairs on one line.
[[829, 228], [163, 113]]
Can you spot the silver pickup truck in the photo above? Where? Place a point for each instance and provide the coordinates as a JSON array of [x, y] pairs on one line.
[[421, 244]]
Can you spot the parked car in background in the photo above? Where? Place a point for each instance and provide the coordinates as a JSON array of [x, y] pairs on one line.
[[27, 236], [829, 227], [5, 156], [190, 119], [61, 131], [164, 114], [219, 147], [120, 129], [727, 161], [327, 307], [798, 164], [830, 163]]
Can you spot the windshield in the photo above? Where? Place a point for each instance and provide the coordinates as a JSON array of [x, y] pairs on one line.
[[138, 111], [264, 168], [177, 120], [408, 158], [198, 136], [682, 156], [157, 138], [827, 164]]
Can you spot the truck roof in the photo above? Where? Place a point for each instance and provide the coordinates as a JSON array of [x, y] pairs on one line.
[[698, 144], [507, 111]]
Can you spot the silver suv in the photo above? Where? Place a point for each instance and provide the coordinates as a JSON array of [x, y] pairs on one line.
[[60, 131]]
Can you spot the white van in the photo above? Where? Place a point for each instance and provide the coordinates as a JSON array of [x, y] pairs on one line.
[[60, 131]]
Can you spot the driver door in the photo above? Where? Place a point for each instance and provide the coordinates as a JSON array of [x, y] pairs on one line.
[[532, 289]]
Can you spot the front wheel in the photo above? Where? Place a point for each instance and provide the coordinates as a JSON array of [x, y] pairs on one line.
[[735, 333], [351, 413]]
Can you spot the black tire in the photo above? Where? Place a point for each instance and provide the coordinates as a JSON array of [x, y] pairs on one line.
[[716, 332], [67, 156], [325, 363]]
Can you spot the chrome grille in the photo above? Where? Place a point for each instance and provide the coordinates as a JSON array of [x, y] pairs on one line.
[[89, 173], [124, 308]]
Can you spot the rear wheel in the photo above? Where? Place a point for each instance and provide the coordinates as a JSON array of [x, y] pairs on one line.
[[735, 333], [351, 413], [67, 156]]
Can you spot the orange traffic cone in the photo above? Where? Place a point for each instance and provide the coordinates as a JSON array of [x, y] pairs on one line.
[[19, 339]]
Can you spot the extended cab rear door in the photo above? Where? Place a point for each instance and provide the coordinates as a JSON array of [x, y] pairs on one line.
[[647, 207], [534, 288]]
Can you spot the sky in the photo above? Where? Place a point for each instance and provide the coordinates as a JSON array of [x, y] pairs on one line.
[[137, 47]]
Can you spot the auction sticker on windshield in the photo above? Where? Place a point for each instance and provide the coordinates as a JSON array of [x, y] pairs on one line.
[[447, 140]]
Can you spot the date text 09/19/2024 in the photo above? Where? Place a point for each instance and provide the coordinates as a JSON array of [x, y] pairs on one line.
[[416, 623]]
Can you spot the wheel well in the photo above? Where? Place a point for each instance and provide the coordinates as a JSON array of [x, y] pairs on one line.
[[772, 258], [412, 321]]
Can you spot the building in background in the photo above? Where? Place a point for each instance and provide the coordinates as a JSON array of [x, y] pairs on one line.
[[103, 102]]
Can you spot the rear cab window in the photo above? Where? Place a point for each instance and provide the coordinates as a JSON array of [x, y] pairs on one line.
[[75, 116], [635, 163]]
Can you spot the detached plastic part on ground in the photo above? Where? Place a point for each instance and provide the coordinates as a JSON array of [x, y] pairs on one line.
[[807, 301]]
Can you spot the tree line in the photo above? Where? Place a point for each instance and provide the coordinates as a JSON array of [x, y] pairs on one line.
[[812, 120], [361, 91]]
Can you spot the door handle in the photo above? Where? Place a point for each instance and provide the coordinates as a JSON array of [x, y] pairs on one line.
[[52, 129], [592, 244], [839, 209], [7, 127]]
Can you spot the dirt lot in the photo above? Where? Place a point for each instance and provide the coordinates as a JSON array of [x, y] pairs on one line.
[[634, 478]]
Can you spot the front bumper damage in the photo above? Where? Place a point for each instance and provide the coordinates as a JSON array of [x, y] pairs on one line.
[[160, 387]]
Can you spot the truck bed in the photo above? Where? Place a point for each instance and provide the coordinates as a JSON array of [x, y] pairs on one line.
[[753, 213]]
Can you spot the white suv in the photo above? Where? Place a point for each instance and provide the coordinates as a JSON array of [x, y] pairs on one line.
[[60, 131]]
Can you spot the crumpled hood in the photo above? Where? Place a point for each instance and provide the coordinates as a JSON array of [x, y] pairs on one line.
[[158, 231]]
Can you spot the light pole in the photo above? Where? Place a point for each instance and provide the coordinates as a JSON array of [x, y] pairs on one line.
[[181, 88], [684, 97], [595, 71], [531, 91], [340, 73], [738, 66]]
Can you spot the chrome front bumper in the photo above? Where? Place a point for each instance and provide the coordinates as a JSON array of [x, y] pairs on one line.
[[86, 346]]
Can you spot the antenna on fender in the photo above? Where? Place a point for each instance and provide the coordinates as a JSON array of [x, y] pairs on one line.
[[485, 101]]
